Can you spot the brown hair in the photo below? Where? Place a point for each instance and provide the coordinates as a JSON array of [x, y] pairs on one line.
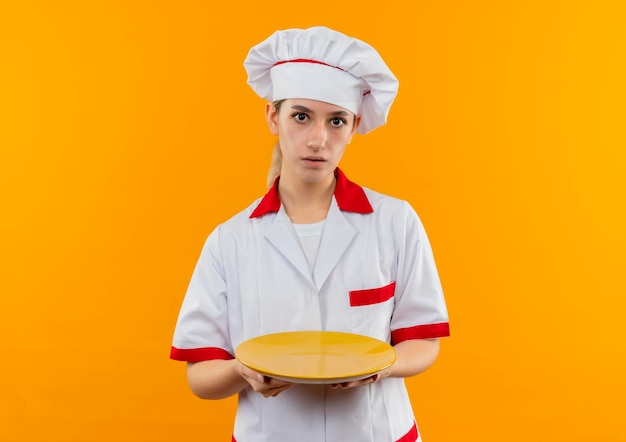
[[277, 156], [275, 165]]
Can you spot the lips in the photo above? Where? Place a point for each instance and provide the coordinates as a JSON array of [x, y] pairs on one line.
[[320, 159]]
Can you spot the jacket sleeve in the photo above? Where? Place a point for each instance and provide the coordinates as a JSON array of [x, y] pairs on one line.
[[420, 310], [202, 328]]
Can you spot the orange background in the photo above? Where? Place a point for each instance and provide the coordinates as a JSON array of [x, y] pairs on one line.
[[127, 132]]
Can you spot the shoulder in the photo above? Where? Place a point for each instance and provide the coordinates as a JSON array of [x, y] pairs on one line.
[[240, 222], [395, 215], [382, 200], [386, 205]]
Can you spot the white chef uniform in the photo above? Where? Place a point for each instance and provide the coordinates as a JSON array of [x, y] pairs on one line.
[[374, 275]]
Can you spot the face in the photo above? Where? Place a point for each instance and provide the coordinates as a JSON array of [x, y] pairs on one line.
[[313, 136]]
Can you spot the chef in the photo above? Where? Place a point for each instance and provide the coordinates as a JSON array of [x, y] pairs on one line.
[[316, 252]]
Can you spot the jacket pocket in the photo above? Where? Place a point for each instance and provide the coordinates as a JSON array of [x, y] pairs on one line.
[[372, 296]]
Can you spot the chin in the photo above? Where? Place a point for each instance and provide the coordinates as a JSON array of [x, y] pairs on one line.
[[315, 176]]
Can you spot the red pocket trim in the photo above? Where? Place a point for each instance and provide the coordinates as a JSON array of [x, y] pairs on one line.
[[372, 296]]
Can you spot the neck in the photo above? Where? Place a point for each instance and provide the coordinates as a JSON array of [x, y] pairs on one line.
[[306, 203]]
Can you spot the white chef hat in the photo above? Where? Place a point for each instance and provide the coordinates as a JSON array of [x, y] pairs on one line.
[[321, 64]]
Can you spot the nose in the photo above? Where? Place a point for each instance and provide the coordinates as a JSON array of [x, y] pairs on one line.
[[317, 136]]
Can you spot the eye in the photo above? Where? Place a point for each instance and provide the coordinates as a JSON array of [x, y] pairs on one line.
[[300, 117], [337, 122]]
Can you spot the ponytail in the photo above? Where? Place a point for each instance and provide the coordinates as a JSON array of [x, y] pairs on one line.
[[277, 162], [277, 156]]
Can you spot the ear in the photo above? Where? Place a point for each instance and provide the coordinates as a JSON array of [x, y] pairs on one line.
[[271, 116]]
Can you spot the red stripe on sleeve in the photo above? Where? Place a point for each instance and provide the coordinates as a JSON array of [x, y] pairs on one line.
[[426, 331], [199, 354]]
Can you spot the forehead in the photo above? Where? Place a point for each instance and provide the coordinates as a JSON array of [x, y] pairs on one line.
[[315, 106]]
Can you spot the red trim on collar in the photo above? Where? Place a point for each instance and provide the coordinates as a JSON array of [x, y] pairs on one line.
[[269, 203], [350, 198]]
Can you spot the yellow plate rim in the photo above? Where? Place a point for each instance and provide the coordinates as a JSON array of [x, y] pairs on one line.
[[307, 342]]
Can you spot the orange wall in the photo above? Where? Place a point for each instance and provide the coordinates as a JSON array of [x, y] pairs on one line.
[[122, 123]]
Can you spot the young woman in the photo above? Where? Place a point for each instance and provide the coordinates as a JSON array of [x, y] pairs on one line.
[[317, 252]]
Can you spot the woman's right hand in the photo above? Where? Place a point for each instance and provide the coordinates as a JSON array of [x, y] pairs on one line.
[[265, 385]]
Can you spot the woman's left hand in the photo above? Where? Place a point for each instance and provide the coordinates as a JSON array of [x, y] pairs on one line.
[[369, 380], [414, 356]]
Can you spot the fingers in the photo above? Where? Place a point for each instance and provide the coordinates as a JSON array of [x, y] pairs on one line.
[[272, 388], [358, 383], [273, 392], [265, 385]]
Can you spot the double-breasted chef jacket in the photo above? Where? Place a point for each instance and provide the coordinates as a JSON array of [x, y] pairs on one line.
[[374, 275]]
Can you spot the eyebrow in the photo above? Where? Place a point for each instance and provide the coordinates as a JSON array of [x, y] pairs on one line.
[[340, 113]]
